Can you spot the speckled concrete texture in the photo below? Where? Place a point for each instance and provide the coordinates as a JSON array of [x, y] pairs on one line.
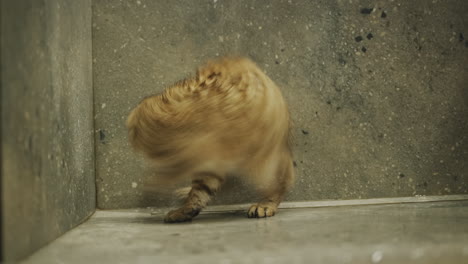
[[377, 89], [426, 233], [47, 163]]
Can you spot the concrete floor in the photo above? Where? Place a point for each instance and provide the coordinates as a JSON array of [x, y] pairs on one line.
[[432, 232]]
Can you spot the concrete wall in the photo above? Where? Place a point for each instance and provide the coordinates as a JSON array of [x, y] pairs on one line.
[[378, 89], [47, 125]]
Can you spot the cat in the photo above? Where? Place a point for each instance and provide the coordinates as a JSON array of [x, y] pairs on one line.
[[228, 119]]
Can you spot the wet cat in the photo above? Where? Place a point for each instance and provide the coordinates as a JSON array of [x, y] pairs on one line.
[[228, 119]]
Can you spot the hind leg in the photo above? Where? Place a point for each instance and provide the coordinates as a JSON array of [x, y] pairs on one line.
[[274, 190], [204, 186]]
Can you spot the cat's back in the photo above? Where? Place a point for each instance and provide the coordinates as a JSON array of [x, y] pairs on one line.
[[230, 103]]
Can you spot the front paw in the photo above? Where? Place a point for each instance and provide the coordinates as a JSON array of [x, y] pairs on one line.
[[261, 210], [180, 215]]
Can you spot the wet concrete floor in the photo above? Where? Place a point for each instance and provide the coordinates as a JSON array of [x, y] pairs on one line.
[[431, 232]]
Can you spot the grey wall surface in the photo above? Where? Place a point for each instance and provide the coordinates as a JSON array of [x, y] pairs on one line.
[[47, 126], [378, 89]]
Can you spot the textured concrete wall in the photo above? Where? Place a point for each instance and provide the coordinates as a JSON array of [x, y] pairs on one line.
[[47, 125], [378, 89]]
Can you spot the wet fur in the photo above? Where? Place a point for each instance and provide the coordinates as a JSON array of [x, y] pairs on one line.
[[228, 119]]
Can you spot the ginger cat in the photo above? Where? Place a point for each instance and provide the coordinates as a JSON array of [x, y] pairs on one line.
[[229, 119]]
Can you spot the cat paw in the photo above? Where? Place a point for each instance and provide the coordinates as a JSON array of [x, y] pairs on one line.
[[261, 210], [180, 215]]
